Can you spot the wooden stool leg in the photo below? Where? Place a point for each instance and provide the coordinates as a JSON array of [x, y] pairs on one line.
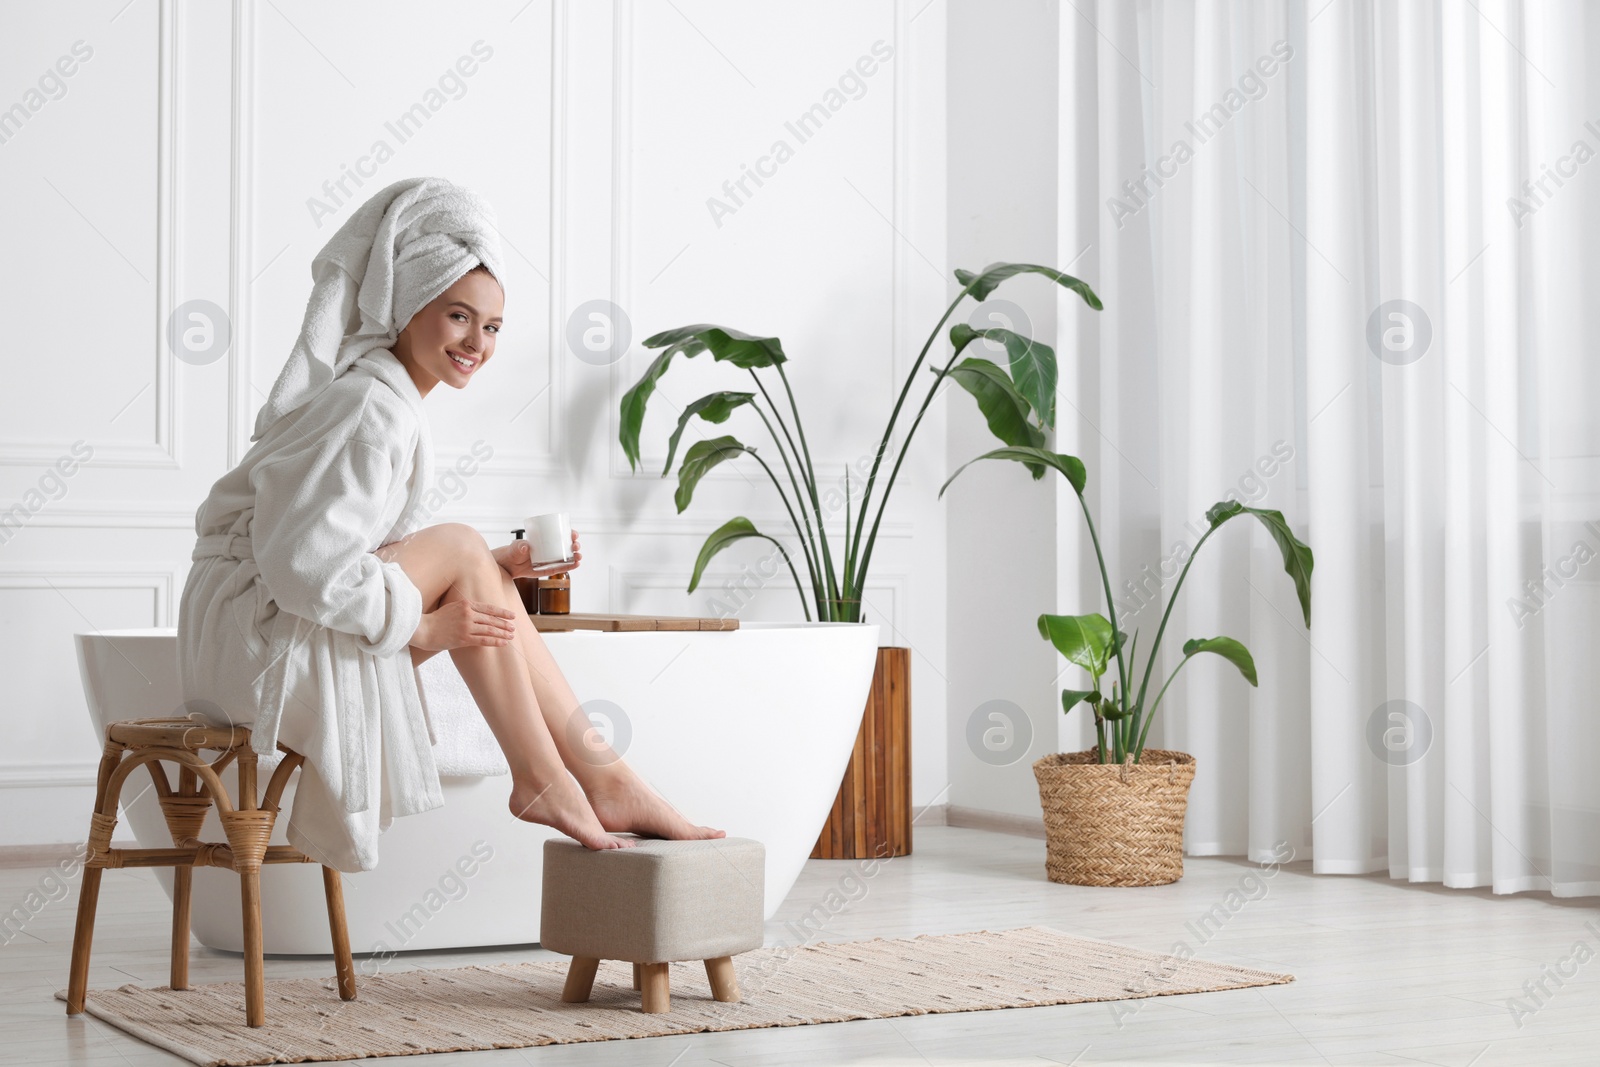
[[333, 889], [255, 993], [637, 982], [101, 827], [249, 828], [83, 939], [724, 986], [580, 980], [657, 995], [185, 812], [182, 882]]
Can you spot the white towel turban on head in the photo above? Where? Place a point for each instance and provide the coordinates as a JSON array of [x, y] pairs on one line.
[[398, 252]]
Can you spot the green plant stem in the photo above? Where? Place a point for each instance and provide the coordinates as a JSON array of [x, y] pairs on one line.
[[1148, 719], [816, 504], [1118, 749], [784, 425], [883, 445], [806, 543], [1100, 736], [793, 572], [808, 477], [905, 447], [847, 556], [1155, 646], [1111, 607], [785, 498]]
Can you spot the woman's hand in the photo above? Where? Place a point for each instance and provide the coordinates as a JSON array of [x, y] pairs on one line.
[[516, 559], [464, 623]]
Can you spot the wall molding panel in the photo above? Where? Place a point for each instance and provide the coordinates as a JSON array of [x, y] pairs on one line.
[[161, 452]]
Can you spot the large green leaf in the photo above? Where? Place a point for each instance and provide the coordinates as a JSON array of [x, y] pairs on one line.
[[700, 458], [735, 529], [1084, 639], [1005, 409], [961, 335], [740, 349], [633, 404], [1033, 367], [713, 407], [995, 273], [733, 346], [1071, 467], [1071, 697], [1228, 649], [1297, 559]]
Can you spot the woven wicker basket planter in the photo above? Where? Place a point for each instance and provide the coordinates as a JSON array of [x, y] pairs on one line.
[[1114, 825]]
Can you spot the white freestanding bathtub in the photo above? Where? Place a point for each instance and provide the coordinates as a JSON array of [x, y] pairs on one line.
[[748, 730]]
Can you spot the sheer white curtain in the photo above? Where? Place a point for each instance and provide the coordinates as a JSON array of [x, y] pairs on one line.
[[1346, 253]]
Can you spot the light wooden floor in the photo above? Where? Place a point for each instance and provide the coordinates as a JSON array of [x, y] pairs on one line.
[[1387, 973]]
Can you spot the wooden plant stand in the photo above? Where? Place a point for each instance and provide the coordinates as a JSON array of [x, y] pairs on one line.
[[871, 816]]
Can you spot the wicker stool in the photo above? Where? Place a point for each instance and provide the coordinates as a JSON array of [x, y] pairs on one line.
[[652, 904], [149, 741]]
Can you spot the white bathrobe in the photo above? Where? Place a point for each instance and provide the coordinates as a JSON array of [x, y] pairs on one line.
[[289, 623]]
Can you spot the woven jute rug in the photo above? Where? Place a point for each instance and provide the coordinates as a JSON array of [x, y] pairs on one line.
[[518, 1005]]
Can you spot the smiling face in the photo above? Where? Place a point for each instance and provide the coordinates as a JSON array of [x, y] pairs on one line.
[[450, 339]]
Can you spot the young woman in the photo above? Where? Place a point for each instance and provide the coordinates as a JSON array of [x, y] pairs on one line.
[[313, 594]]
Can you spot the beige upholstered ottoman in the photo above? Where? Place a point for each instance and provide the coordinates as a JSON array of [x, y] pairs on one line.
[[655, 903]]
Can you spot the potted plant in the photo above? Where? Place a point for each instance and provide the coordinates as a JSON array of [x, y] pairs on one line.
[[1114, 813], [1017, 402]]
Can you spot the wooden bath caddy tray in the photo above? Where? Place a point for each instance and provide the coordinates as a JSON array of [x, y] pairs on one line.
[[618, 623]]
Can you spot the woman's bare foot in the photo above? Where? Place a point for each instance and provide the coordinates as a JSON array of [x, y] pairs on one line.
[[561, 806], [631, 806]]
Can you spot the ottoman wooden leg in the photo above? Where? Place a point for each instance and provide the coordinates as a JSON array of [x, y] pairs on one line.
[[657, 995], [636, 977], [724, 986], [580, 980]]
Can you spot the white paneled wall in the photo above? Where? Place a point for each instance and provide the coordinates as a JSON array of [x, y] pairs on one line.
[[1004, 692], [205, 151]]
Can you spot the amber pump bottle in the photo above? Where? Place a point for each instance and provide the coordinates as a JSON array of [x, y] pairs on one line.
[[527, 588]]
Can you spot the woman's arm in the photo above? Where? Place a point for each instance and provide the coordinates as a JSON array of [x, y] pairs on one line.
[[318, 508]]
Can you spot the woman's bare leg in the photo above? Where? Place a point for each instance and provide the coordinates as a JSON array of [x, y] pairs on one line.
[[622, 800], [618, 797], [449, 563]]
